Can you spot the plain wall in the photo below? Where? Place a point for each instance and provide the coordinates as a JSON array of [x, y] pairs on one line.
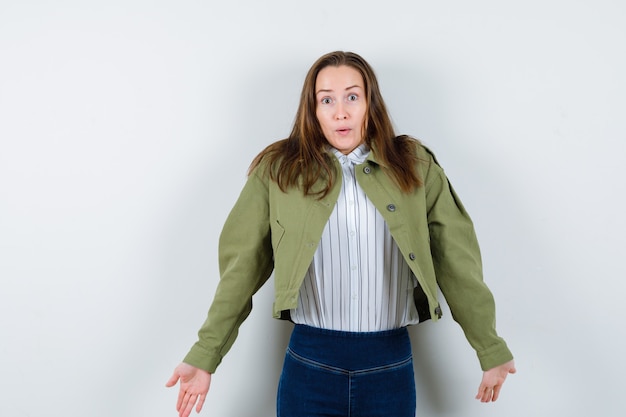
[[126, 128]]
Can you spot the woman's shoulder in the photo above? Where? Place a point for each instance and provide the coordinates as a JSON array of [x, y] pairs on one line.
[[269, 158], [427, 164], [423, 153]]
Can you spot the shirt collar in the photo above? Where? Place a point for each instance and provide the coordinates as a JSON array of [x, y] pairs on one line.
[[357, 156]]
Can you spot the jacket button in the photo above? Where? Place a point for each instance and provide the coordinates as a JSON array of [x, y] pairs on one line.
[[412, 256], [438, 312], [391, 207], [367, 170]]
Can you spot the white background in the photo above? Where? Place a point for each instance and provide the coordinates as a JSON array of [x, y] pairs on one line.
[[126, 128]]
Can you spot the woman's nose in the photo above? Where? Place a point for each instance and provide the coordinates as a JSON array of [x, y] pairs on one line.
[[341, 113]]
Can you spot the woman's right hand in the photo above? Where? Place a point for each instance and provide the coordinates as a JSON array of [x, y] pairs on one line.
[[194, 385]]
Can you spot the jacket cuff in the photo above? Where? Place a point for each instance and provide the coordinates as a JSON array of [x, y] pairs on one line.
[[494, 355], [200, 358]]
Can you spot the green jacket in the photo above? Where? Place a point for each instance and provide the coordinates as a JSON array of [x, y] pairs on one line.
[[273, 231]]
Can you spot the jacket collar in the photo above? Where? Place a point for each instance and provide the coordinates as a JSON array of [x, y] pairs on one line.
[[372, 157]]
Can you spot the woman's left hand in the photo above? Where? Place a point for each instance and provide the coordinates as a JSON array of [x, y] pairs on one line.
[[490, 386]]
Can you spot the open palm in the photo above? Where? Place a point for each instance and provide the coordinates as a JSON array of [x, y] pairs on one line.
[[194, 385]]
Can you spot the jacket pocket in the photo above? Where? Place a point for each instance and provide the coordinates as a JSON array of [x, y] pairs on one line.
[[277, 234]]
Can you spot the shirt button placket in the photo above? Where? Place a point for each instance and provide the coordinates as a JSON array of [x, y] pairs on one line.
[[351, 189]]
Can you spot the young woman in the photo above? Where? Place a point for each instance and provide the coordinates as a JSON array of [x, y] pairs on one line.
[[360, 227]]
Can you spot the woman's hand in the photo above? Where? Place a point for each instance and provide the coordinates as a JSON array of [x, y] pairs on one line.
[[194, 385], [490, 386]]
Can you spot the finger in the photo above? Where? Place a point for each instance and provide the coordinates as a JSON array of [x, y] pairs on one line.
[[479, 394], [183, 405], [482, 389], [201, 399], [496, 392], [484, 394], [181, 397], [188, 403], [172, 381]]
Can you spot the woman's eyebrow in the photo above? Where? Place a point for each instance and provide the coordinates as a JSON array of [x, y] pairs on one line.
[[330, 91]]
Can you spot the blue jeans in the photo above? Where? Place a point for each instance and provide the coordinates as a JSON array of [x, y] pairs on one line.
[[330, 373]]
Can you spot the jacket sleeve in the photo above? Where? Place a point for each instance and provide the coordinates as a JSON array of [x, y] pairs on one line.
[[458, 267], [245, 263]]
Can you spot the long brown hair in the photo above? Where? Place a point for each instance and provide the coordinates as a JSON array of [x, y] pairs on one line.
[[301, 159]]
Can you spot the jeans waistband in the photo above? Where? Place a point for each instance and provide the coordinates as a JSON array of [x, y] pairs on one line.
[[351, 350]]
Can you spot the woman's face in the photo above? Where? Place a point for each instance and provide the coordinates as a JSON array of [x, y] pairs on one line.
[[341, 106]]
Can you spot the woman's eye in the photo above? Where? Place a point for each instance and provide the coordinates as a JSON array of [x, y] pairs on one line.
[[353, 97], [326, 100]]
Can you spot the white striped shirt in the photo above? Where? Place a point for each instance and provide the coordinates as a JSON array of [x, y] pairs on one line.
[[358, 280]]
